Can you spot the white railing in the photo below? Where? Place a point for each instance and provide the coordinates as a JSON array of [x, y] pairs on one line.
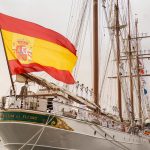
[[62, 108]]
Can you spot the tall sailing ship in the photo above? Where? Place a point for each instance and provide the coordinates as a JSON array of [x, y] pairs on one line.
[[55, 118]]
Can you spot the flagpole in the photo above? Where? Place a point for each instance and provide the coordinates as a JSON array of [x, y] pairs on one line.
[[12, 83]]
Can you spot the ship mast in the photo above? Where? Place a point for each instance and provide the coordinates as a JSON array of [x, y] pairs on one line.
[[130, 64], [118, 60], [138, 75], [95, 53]]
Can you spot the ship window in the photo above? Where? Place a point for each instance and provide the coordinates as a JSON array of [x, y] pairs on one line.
[[50, 104]]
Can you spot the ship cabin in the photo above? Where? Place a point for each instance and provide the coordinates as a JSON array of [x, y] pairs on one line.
[[60, 103]]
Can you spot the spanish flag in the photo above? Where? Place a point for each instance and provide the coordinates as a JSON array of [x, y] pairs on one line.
[[31, 48]]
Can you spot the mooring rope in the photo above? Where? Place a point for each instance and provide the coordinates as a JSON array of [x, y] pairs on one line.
[[40, 131]]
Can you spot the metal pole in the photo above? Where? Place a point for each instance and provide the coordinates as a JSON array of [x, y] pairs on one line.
[[12, 83]]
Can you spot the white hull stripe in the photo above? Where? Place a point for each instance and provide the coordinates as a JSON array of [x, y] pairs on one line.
[[38, 146]]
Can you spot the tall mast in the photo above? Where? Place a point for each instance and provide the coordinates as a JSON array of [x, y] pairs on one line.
[[118, 60], [138, 76], [95, 53], [130, 65]]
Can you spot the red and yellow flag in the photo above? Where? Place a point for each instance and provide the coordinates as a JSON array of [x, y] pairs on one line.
[[31, 48]]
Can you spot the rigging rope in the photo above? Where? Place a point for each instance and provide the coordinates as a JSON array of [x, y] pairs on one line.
[[107, 63], [113, 141], [125, 31], [70, 18], [76, 8], [79, 17], [40, 131], [80, 42]]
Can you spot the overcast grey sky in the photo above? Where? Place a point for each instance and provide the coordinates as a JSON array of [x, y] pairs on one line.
[[54, 14]]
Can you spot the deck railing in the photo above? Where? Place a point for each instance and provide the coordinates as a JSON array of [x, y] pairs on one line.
[[62, 108]]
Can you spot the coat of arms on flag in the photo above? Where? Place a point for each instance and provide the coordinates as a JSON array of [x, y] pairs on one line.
[[22, 48]]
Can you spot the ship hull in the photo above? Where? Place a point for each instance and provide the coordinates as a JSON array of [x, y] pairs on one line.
[[16, 133]]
